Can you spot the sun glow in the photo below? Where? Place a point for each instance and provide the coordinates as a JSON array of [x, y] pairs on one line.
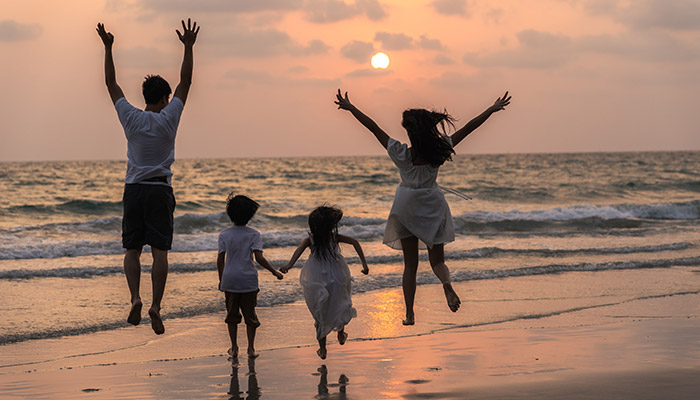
[[380, 60]]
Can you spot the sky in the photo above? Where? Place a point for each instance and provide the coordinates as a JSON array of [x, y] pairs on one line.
[[585, 75]]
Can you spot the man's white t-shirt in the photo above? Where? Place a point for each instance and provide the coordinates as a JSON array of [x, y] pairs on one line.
[[240, 274], [150, 140]]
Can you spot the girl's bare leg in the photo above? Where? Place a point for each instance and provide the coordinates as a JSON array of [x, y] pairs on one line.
[[410, 262], [342, 336], [322, 351], [436, 254]]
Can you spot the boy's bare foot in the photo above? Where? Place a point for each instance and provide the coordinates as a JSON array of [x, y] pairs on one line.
[[233, 352], [156, 321], [252, 353], [452, 299], [134, 317], [322, 353], [342, 337]]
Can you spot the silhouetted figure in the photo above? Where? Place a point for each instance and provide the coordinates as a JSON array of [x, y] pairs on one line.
[[325, 277], [238, 277], [323, 391], [420, 211], [253, 388], [148, 195]]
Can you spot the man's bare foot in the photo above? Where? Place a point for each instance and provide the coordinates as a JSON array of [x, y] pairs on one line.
[[322, 353], [156, 321], [410, 319], [452, 299], [342, 337], [134, 317], [252, 353]]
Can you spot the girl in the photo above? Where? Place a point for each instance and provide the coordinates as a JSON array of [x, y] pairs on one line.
[[325, 277], [420, 211]]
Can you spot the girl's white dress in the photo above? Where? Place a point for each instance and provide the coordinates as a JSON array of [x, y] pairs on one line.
[[327, 290], [419, 208]]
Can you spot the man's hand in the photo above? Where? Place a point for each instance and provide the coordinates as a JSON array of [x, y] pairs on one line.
[[107, 37], [189, 35]]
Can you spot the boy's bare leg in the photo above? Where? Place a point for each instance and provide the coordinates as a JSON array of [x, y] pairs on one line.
[[159, 276], [233, 334], [436, 254], [250, 331], [410, 261], [132, 270]]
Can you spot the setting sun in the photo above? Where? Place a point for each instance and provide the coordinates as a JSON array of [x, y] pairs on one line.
[[380, 60]]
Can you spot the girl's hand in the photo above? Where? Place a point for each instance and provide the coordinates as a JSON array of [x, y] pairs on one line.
[[285, 268], [501, 103], [343, 102], [277, 274], [365, 269]]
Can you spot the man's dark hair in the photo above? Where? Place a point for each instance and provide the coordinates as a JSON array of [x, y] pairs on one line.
[[240, 209], [154, 88]]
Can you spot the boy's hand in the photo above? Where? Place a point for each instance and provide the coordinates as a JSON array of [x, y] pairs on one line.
[[365, 269], [285, 268], [277, 274]]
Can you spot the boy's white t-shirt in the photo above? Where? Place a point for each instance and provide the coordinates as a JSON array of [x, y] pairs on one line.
[[240, 274], [150, 139]]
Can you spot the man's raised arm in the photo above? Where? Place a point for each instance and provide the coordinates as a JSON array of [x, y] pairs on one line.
[[115, 92], [188, 37]]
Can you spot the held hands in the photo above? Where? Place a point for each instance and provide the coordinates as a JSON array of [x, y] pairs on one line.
[[277, 274], [501, 103], [189, 35], [285, 268], [107, 37], [365, 269], [343, 102]]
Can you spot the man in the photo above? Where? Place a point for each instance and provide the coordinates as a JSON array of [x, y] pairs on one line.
[[148, 197]]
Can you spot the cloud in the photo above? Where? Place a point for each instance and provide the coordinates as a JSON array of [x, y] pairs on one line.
[[144, 57], [244, 77], [239, 41], [674, 15], [368, 72], [221, 6], [324, 11], [451, 7], [13, 31], [358, 51], [394, 41], [430, 44], [442, 59], [455, 79], [539, 50]]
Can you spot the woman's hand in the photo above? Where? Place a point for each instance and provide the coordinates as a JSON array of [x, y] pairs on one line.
[[343, 102], [501, 103], [285, 268], [365, 269]]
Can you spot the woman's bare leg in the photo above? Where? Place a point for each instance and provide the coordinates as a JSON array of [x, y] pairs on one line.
[[410, 262], [436, 254]]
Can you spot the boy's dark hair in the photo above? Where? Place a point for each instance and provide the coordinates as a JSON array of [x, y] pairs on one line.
[[426, 130], [154, 88], [240, 209], [323, 224]]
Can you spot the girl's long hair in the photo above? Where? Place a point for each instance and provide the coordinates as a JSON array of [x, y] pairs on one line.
[[427, 132], [323, 224]]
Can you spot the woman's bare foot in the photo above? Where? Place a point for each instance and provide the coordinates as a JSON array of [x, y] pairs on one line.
[[322, 353], [156, 321], [233, 352], [134, 317], [410, 319], [452, 299], [252, 353], [342, 337]]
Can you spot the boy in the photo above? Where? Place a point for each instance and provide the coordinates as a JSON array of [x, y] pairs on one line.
[[238, 277]]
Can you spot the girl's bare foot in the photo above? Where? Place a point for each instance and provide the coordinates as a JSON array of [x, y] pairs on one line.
[[342, 337], [252, 353], [233, 352], [410, 319], [452, 299], [156, 321], [322, 353], [134, 317]]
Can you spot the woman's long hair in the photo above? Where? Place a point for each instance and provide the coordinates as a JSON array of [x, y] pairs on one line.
[[427, 132], [323, 224]]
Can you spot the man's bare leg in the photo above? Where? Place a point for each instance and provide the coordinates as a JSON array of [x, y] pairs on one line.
[[410, 261], [132, 270], [159, 275]]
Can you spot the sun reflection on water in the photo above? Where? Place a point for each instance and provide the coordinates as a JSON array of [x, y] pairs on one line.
[[385, 310]]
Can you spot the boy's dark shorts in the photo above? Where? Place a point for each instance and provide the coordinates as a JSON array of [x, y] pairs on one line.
[[246, 303], [148, 216]]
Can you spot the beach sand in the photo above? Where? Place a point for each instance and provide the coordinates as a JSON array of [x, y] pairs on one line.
[[635, 348]]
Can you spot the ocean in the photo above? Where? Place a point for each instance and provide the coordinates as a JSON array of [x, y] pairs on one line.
[[546, 215]]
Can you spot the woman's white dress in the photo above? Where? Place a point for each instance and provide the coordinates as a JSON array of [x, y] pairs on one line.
[[419, 208], [327, 290]]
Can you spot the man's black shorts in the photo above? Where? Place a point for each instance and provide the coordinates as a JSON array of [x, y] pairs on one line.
[[148, 216]]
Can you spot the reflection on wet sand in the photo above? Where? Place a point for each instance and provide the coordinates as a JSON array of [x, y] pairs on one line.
[[253, 388], [324, 392]]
